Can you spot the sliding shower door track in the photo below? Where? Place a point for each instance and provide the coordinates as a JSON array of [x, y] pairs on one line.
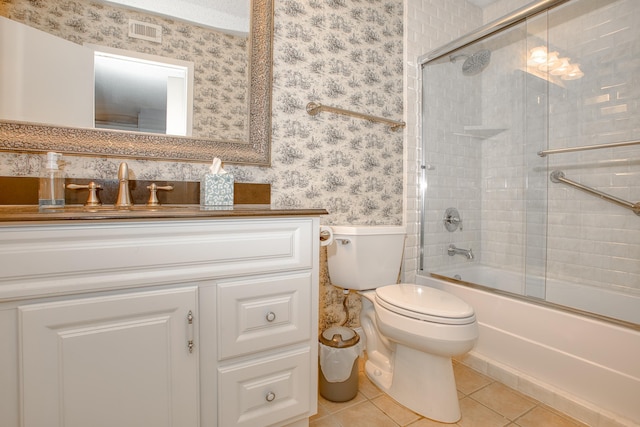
[[490, 28]]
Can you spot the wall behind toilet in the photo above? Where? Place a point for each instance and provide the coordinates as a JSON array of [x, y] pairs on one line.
[[343, 54]]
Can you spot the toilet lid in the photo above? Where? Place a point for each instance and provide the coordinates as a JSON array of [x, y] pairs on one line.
[[425, 303]]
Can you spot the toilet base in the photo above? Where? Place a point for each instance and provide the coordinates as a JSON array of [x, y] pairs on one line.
[[420, 381]]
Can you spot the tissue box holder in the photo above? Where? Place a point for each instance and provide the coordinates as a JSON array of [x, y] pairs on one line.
[[216, 190]]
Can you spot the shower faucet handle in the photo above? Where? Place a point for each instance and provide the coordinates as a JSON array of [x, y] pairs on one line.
[[452, 220]]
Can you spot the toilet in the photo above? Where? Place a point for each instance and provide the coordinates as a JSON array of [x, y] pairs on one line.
[[411, 331]]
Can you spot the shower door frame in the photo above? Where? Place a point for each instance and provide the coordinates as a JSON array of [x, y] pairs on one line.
[[490, 29], [493, 28]]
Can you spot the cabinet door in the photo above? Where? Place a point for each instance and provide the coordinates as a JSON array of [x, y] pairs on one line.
[[120, 360]]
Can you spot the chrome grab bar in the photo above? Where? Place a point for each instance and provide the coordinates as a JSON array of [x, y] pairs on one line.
[[314, 108], [587, 147], [558, 177]]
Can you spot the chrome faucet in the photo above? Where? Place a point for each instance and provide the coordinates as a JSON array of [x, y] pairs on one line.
[[468, 253], [124, 194]]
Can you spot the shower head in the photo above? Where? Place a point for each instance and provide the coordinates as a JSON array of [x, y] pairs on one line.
[[473, 64]]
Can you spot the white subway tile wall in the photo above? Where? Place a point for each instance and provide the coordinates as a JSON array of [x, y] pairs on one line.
[[591, 241]]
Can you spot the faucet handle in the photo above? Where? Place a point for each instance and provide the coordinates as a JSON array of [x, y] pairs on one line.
[[153, 189], [452, 220], [92, 199]]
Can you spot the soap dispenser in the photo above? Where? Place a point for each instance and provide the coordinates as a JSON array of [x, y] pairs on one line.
[[51, 193]]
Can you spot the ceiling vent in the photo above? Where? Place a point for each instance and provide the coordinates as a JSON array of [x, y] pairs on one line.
[[145, 31]]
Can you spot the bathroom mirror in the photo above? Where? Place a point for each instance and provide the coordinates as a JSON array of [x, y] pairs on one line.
[[254, 148]]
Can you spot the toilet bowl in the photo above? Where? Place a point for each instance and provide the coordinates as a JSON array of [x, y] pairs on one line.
[[411, 331]]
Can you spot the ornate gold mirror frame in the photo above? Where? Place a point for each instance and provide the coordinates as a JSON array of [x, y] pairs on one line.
[[30, 137]]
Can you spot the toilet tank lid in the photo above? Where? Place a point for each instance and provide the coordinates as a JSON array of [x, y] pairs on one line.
[[363, 230]]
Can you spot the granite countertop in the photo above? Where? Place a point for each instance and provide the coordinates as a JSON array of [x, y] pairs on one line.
[[32, 213]]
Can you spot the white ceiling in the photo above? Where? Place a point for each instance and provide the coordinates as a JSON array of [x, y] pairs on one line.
[[228, 15]]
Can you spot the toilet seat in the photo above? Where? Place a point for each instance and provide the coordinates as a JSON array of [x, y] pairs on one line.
[[424, 303]]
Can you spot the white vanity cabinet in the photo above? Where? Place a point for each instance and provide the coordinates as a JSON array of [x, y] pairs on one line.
[[118, 360], [189, 322]]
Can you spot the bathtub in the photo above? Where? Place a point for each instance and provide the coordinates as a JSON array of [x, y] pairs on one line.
[[584, 367], [605, 302]]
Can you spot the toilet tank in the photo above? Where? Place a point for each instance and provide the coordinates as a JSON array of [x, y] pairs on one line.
[[365, 257]]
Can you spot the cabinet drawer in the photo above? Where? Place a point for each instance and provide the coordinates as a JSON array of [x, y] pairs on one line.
[[264, 392], [256, 314]]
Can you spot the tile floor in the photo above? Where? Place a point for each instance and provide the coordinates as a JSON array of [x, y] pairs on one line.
[[483, 403]]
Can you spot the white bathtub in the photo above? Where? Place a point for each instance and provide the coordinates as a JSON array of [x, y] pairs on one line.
[[605, 302], [584, 367]]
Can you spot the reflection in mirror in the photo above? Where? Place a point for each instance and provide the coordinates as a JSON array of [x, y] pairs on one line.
[[38, 87], [220, 60], [221, 87], [142, 93]]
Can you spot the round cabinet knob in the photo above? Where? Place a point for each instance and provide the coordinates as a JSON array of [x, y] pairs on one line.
[[271, 396], [271, 316]]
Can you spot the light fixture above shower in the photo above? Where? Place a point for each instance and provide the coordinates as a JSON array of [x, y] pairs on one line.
[[550, 62]]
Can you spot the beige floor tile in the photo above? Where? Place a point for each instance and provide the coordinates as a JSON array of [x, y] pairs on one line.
[[366, 387], [483, 403], [425, 422], [322, 411], [363, 415], [504, 400], [476, 415], [542, 416], [395, 411], [332, 407], [325, 422], [468, 380]]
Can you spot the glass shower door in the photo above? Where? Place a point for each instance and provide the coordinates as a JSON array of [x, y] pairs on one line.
[[494, 212], [475, 124]]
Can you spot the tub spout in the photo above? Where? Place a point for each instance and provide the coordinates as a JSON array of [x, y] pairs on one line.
[[468, 253]]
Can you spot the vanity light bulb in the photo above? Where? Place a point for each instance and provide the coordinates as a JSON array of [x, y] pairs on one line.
[[561, 67], [552, 61], [574, 73], [537, 56]]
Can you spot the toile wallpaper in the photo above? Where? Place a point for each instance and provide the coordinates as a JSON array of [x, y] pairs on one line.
[[220, 60], [342, 53]]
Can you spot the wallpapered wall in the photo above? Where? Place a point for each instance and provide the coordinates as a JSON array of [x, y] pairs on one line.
[[347, 54], [220, 60]]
